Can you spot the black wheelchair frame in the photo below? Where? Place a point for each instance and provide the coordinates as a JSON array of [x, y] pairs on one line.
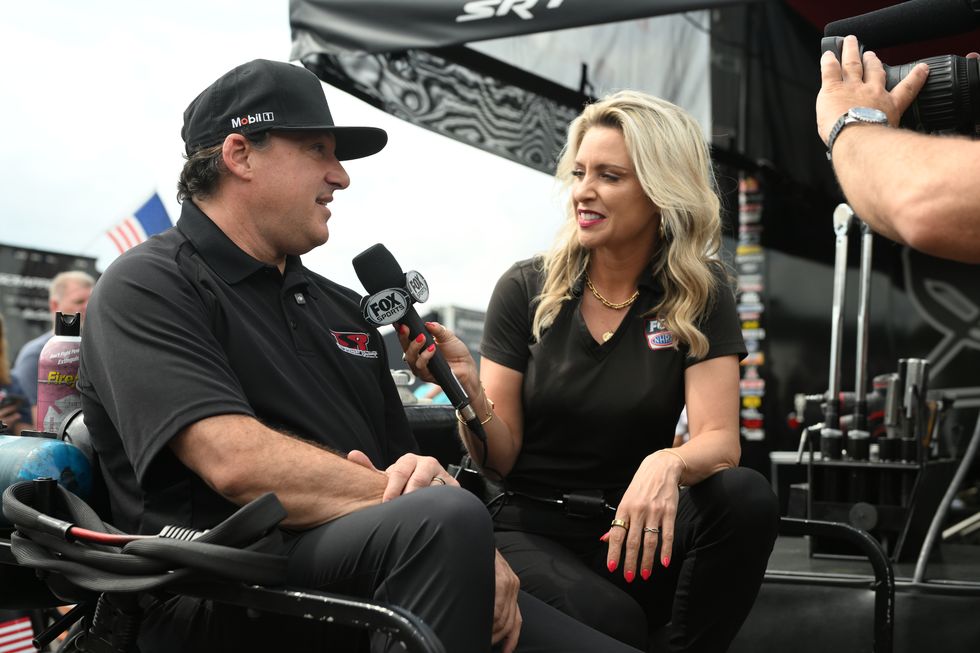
[[36, 591]]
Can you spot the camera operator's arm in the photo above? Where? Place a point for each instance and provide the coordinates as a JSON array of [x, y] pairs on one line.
[[916, 189]]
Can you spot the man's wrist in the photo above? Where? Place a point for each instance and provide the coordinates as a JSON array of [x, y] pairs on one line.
[[854, 116]]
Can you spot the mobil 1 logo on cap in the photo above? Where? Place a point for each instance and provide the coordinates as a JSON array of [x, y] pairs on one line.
[[385, 306]]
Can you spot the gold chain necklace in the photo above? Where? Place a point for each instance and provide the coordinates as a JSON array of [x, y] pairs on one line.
[[605, 302]]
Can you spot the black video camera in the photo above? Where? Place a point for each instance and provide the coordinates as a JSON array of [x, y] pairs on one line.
[[950, 100]]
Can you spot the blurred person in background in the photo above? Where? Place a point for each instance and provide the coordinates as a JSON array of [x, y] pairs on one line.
[[69, 293], [15, 412]]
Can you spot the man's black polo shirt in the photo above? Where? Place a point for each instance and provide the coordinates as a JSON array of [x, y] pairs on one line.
[[593, 411], [188, 326]]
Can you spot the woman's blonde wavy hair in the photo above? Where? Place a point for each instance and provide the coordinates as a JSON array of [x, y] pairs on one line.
[[673, 165]]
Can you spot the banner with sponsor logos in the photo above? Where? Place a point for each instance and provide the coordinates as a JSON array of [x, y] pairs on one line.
[[750, 262], [25, 275], [506, 76]]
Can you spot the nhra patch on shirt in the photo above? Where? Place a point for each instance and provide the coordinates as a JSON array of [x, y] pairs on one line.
[[658, 337], [355, 344]]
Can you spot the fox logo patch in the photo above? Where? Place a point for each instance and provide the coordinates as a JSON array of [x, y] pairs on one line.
[[658, 336]]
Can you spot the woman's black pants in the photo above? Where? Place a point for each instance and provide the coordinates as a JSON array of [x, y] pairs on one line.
[[725, 530]]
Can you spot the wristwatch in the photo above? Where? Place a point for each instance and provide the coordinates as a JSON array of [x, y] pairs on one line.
[[854, 115]]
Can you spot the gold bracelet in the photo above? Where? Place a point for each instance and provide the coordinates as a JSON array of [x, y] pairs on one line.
[[489, 406], [674, 453]]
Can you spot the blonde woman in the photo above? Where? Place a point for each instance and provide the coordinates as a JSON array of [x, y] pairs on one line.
[[589, 355]]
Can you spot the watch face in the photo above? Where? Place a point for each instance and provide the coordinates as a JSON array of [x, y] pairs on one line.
[[866, 114]]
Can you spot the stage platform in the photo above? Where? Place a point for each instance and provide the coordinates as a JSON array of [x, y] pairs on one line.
[[818, 604]]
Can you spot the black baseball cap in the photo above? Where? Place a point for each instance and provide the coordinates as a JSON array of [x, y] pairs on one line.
[[264, 95]]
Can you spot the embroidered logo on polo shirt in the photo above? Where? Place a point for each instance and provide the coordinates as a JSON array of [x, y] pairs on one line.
[[658, 336], [354, 343]]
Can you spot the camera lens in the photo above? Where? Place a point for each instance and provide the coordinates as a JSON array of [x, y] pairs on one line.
[[950, 99]]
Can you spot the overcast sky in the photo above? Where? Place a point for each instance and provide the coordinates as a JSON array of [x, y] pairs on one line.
[[93, 97]]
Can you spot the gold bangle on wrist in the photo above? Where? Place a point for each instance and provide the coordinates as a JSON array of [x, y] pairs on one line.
[[489, 406], [677, 455]]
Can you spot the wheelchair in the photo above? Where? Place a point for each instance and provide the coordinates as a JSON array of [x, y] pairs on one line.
[[56, 550]]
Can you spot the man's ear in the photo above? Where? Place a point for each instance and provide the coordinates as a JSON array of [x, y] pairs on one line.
[[235, 152]]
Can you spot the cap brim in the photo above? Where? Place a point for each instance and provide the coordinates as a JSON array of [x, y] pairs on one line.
[[352, 142]]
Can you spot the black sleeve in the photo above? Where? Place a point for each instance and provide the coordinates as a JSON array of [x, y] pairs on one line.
[[150, 359], [721, 326], [507, 330]]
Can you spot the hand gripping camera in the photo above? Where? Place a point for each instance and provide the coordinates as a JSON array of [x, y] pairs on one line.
[[950, 100]]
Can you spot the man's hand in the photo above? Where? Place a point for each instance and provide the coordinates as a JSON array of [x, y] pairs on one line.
[[507, 618], [856, 83], [407, 474]]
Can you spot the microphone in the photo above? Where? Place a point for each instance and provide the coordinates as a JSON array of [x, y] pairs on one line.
[[392, 294], [909, 22]]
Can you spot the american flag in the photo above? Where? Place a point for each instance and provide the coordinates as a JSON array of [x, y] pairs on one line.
[[149, 219], [16, 635]]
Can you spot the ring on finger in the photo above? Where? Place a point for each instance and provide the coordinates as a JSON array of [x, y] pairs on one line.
[[437, 479], [621, 523], [650, 529]]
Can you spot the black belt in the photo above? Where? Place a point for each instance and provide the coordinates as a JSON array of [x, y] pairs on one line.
[[576, 503]]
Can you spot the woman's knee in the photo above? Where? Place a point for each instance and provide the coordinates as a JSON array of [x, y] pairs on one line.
[[752, 497], [742, 498]]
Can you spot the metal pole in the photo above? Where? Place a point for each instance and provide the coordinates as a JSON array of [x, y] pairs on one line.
[[831, 436], [860, 375]]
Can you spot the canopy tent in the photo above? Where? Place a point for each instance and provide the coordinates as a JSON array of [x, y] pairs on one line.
[[508, 75], [505, 75]]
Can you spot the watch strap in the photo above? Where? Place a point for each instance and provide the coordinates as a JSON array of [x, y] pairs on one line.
[[834, 131], [850, 117]]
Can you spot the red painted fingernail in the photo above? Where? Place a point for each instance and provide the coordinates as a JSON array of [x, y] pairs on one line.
[[431, 348], [604, 538], [645, 574], [666, 561], [612, 564], [629, 576], [420, 338], [431, 324]]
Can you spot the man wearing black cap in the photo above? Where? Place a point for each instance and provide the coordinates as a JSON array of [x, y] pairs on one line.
[[216, 367]]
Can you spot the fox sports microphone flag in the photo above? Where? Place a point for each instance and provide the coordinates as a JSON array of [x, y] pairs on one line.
[[149, 219]]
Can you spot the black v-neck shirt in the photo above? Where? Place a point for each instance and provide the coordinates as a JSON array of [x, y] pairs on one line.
[[593, 411]]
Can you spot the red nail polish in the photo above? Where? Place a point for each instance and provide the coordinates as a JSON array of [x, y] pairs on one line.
[[666, 561], [604, 538], [645, 574], [420, 338], [430, 324], [612, 564], [431, 348], [629, 576]]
